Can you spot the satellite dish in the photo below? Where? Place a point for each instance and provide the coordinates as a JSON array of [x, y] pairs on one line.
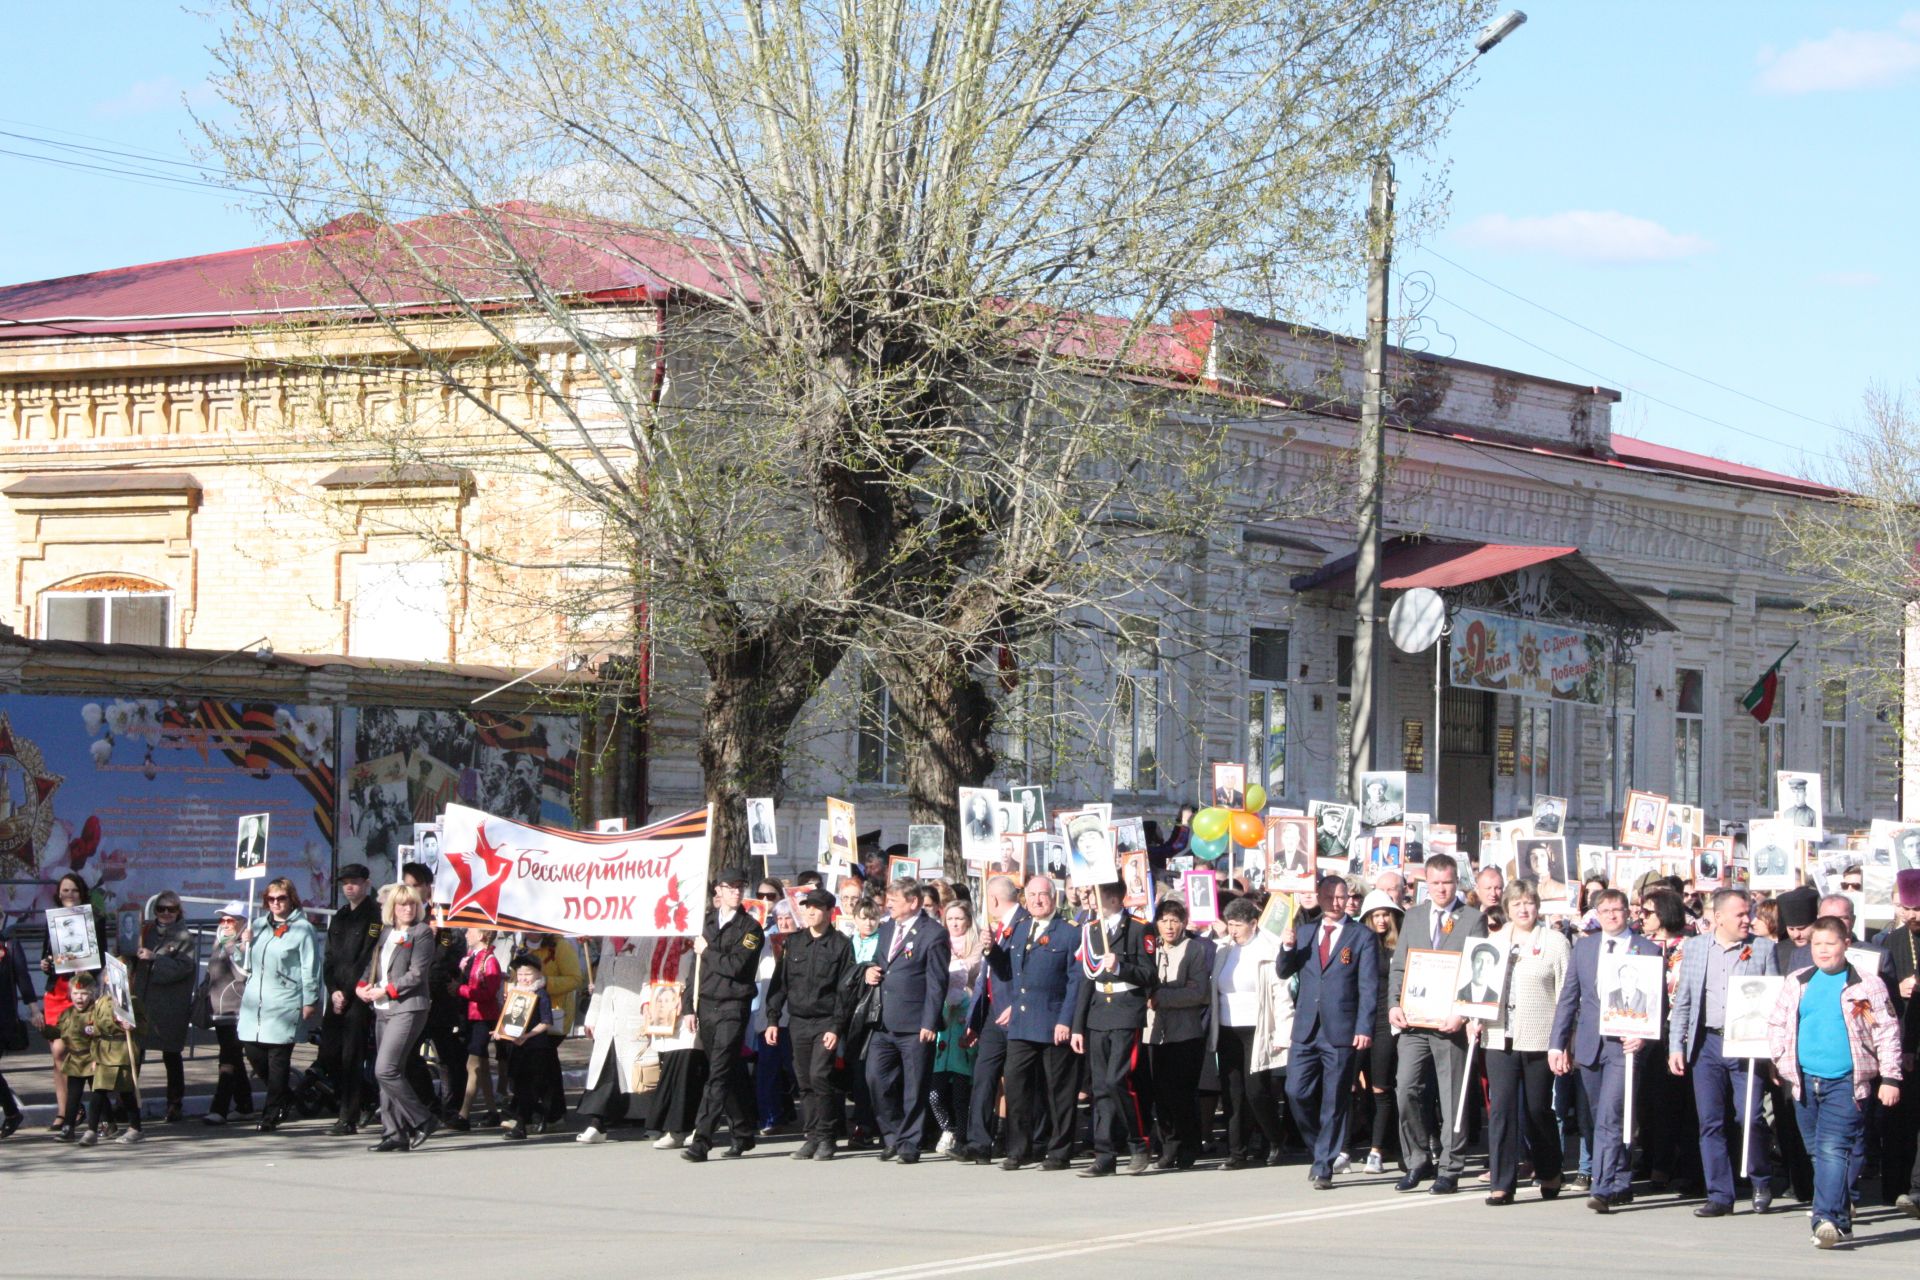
[[1417, 619]]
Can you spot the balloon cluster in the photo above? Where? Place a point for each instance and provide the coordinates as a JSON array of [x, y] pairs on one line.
[[1214, 828]]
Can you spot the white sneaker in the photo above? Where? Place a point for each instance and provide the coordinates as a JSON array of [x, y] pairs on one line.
[[89, 1138], [1342, 1162], [130, 1137], [669, 1142], [590, 1135], [945, 1146], [1826, 1236], [1374, 1163]]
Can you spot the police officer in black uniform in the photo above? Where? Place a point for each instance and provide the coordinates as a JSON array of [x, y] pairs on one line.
[[1117, 960], [346, 1028], [727, 954], [811, 988]]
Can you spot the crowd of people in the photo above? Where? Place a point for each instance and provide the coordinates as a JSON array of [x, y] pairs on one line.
[[1036, 1026]]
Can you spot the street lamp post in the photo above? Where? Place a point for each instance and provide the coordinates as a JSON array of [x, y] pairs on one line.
[[1367, 668]]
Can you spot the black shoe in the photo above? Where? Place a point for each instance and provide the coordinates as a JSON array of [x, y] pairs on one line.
[[392, 1142], [1599, 1204], [1444, 1185], [695, 1152], [1764, 1202], [519, 1134], [826, 1151], [1234, 1162], [1713, 1209], [907, 1155], [340, 1129], [269, 1120], [1323, 1183], [807, 1150], [1580, 1182], [1098, 1169], [888, 1154], [1413, 1178], [173, 1114], [458, 1123], [11, 1124], [1054, 1164], [1275, 1158], [420, 1135], [1012, 1164]]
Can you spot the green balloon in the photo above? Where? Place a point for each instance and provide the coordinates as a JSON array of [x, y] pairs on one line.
[[1210, 824]]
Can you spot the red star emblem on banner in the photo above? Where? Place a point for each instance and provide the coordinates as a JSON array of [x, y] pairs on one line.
[[494, 867]]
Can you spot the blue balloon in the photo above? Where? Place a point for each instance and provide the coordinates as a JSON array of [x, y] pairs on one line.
[[1208, 849]]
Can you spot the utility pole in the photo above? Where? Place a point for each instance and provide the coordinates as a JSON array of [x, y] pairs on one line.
[[1372, 477]]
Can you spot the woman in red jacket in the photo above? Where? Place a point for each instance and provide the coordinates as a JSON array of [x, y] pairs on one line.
[[480, 988]]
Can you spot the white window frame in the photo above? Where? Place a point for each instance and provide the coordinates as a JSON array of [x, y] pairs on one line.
[[880, 725], [1260, 768], [1146, 687], [1623, 747], [160, 593], [1689, 725], [1532, 733], [1833, 745], [1773, 755]]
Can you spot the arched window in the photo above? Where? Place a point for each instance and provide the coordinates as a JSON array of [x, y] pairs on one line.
[[107, 608]]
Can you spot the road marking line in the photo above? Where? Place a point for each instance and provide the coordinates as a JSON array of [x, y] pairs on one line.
[[1103, 1244]]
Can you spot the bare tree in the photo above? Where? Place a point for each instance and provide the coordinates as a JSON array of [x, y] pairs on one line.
[[1861, 552], [845, 321]]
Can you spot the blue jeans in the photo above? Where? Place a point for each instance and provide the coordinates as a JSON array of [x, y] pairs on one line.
[[1719, 1094], [1831, 1122]]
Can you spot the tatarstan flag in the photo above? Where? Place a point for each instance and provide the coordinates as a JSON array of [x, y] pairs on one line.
[[1759, 699]]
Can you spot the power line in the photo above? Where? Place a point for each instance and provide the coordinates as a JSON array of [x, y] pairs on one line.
[[1622, 383], [1665, 364]]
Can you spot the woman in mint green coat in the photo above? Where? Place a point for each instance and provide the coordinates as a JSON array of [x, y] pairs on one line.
[[283, 993]]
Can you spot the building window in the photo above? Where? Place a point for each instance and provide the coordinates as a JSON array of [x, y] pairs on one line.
[[880, 751], [1267, 710], [1620, 737], [1029, 748], [1343, 719], [1689, 732], [1533, 752], [1136, 706], [1773, 747], [401, 609], [1833, 742], [115, 611]]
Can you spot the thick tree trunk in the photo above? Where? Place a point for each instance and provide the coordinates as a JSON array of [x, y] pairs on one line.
[[756, 689], [947, 724]]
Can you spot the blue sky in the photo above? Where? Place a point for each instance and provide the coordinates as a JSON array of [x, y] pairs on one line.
[[1721, 186]]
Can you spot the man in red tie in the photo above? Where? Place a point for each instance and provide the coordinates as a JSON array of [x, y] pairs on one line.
[[1339, 968]]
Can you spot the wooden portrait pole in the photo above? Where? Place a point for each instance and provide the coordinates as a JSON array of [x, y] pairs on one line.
[[133, 1069]]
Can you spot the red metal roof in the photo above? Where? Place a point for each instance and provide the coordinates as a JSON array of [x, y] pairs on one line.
[[407, 264], [1409, 562], [1662, 457]]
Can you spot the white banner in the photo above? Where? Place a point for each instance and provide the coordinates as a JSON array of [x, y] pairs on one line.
[[651, 882]]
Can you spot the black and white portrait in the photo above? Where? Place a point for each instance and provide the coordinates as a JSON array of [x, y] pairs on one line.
[[979, 824], [1800, 802], [1090, 859], [1383, 798], [1031, 804], [1629, 995], [1549, 815], [1773, 854], [762, 838], [250, 847], [1483, 980], [1333, 828]]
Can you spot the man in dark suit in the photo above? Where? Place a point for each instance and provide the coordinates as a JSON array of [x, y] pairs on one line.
[[346, 1026], [1339, 968], [1036, 965], [1576, 1042], [1003, 912], [1432, 1059], [727, 955], [1117, 962], [911, 971]]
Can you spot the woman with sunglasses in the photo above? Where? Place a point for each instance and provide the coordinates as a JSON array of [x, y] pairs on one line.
[[164, 966], [282, 995]]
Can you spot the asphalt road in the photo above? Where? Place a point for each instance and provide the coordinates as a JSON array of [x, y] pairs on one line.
[[196, 1202]]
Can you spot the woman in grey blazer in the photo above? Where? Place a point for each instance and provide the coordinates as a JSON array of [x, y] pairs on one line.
[[397, 986], [1519, 1081]]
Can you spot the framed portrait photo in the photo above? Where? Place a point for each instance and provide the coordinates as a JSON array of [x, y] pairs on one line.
[[902, 867], [1203, 898], [118, 985], [979, 825], [1630, 991], [250, 847], [664, 1006], [1543, 859], [517, 1011], [1643, 821], [1229, 785], [1089, 838], [763, 837], [1802, 806], [1136, 884], [1047, 856], [609, 826], [1291, 862], [1773, 854], [1333, 829], [1750, 1001], [1427, 987], [1030, 802], [1383, 798], [1483, 980], [1712, 865], [843, 832], [72, 943], [1278, 916], [927, 843]]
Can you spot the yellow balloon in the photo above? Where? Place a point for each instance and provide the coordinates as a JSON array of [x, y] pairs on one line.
[[1256, 798], [1210, 823]]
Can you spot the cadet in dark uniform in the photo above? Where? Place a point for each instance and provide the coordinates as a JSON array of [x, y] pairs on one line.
[[810, 987], [1035, 964], [911, 954], [1116, 963], [346, 1028], [727, 955]]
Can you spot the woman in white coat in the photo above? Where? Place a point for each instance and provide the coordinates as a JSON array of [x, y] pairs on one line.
[[617, 1022], [1253, 1030]]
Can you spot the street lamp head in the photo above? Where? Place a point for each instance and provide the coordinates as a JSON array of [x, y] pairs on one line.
[[1504, 26]]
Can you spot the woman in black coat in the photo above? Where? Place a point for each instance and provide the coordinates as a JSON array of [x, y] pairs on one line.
[[1176, 1033]]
